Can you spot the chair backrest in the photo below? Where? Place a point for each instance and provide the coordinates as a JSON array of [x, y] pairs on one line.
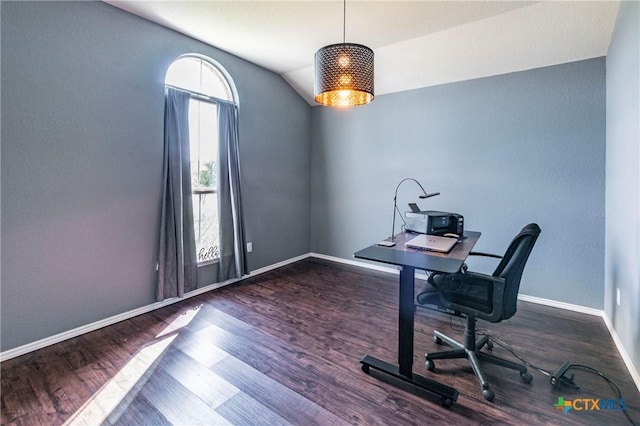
[[512, 264]]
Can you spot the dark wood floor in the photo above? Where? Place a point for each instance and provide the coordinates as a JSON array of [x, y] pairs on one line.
[[284, 348]]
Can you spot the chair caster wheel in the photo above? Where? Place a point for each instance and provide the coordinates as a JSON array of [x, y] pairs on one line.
[[526, 377], [489, 345], [447, 402], [488, 394], [431, 366], [437, 340], [365, 368]]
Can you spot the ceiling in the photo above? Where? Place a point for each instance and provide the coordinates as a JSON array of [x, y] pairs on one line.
[[416, 43]]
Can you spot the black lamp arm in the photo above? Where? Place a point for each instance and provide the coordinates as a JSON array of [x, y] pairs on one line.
[[395, 203]]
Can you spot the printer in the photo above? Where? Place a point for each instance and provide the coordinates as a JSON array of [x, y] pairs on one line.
[[433, 222]]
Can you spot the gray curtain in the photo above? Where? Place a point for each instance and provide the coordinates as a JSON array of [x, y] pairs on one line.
[[233, 255], [177, 264]]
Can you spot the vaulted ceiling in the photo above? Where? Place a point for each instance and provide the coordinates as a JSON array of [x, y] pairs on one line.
[[416, 43]]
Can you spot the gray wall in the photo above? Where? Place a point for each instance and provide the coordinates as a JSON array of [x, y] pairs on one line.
[[622, 252], [81, 153], [82, 119], [503, 151]]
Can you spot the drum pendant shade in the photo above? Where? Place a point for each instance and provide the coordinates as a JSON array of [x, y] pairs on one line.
[[344, 75]]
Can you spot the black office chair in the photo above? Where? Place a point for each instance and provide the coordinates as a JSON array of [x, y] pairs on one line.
[[479, 296]]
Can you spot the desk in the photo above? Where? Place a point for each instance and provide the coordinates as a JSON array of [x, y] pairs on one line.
[[409, 260]]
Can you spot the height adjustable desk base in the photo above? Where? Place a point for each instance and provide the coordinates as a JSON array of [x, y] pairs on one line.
[[447, 394], [409, 260]]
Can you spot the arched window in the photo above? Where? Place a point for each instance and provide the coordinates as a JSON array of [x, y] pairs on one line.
[[208, 84], [199, 76]]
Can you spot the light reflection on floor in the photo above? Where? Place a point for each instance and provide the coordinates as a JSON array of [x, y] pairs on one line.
[[98, 408]]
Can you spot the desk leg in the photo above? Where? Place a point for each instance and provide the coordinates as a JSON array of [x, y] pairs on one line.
[[404, 370], [405, 321]]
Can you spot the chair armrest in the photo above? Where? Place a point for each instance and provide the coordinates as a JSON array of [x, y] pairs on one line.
[[464, 268], [479, 253]]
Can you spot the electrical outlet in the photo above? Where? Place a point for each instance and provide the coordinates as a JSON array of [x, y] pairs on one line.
[[249, 247], [618, 296]]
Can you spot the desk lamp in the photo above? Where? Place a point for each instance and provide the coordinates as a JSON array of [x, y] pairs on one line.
[[424, 195]]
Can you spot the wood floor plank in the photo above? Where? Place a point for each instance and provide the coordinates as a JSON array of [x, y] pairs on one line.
[[177, 404], [242, 409], [139, 412], [287, 403], [198, 379]]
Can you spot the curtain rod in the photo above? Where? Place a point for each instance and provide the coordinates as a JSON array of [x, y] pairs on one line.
[[202, 96]]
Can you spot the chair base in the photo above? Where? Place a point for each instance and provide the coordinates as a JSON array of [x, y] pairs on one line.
[[471, 351]]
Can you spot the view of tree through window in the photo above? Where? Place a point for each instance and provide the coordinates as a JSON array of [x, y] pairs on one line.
[[203, 139], [206, 83]]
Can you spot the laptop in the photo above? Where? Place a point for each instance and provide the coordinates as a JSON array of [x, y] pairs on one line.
[[432, 243]]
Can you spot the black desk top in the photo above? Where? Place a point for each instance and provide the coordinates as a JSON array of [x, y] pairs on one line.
[[421, 259]]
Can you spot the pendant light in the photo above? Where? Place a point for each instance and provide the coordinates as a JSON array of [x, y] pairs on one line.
[[344, 73]]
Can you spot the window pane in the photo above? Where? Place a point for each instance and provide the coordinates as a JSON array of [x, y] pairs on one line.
[[196, 75], [214, 83], [185, 74], [203, 138], [205, 223], [208, 134], [194, 142]]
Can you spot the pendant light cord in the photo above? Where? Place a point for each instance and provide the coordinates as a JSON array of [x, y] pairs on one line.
[[344, 21]]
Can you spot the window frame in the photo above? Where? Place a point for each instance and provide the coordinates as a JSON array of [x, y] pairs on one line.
[[202, 97], [218, 67]]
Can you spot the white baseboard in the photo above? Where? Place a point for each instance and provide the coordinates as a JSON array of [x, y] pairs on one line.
[[389, 269], [57, 338], [375, 267], [635, 375], [561, 305], [276, 265]]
